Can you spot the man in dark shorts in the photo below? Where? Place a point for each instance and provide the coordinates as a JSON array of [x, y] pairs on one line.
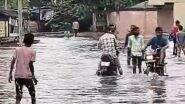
[[23, 59]]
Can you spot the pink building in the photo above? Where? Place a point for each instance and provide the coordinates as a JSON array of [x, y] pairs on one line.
[[145, 16]]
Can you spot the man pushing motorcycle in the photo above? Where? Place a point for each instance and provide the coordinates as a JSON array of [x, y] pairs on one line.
[[108, 45]]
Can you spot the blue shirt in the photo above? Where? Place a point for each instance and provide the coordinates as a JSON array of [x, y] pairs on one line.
[[180, 38], [157, 42]]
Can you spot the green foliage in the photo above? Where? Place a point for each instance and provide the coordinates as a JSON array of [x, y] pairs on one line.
[[13, 4], [109, 5], [66, 11], [36, 3], [1, 3]]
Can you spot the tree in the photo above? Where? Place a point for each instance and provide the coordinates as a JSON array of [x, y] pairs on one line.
[[65, 11], [13, 4], [1, 3]]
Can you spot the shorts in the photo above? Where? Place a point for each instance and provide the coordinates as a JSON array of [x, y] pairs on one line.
[[20, 82]]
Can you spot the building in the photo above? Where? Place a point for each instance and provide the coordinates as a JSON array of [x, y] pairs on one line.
[[46, 14], [146, 16], [178, 7], [99, 21], [143, 15], [7, 22]]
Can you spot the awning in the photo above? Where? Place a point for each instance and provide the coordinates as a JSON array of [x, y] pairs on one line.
[[9, 13]]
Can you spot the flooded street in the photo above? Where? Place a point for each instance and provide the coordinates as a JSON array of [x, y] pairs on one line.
[[66, 71]]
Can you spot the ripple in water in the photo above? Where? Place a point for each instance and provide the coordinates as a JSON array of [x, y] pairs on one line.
[[66, 70]]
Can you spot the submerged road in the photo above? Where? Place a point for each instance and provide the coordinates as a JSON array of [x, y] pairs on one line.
[[66, 70]]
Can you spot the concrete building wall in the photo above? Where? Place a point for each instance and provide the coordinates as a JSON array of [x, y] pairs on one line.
[[179, 13], [165, 20], [112, 18], [179, 7], [147, 21], [165, 17]]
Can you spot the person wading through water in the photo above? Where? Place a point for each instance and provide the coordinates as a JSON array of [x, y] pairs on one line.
[[23, 59], [136, 44], [108, 44], [180, 41], [131, 32], [173, 35]]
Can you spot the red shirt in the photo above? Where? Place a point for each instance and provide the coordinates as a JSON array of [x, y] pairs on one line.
[[175, 29]]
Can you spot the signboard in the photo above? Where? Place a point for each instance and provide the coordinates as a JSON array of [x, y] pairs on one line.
[[3, 28]]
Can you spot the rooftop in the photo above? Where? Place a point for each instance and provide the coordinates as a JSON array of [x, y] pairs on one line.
[[9, 13], [143, 5]]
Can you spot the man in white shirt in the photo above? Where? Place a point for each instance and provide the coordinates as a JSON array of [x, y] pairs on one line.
[[75, 27]]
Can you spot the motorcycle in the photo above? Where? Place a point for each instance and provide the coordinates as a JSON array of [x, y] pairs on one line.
[[153, 65], [107, 66]]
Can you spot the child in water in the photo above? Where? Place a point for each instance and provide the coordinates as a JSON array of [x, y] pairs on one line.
[[23, 59]]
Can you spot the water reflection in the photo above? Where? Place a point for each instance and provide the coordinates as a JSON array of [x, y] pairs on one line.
[[108, 85], [158, 91], [66, 70], [6, 92]]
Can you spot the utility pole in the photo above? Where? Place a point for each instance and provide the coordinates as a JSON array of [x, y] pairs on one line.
[[6, 4], [29, 11], [5, 22], [20, 19], [145, 21]]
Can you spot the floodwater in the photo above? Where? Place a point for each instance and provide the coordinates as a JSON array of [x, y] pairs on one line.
[[66, 70]]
